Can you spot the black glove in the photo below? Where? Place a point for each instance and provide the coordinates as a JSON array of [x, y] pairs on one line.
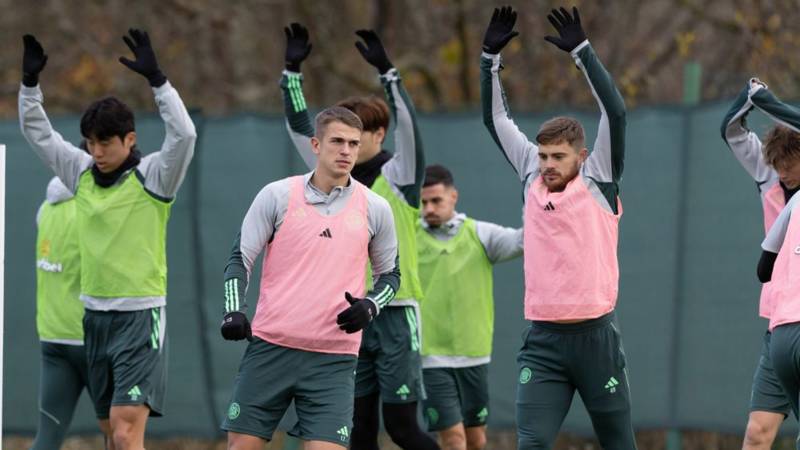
[[33, 60], [236, 327], [297, 46], [357, 316], [145, 64], [373, 52], [500, 30], [569, 29]]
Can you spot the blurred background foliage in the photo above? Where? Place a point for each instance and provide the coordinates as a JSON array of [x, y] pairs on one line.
[[226, 57]]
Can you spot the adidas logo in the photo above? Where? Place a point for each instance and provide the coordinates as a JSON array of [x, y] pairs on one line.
[[549, 207], [344, 435], [612, 385], [483, 414], [403, 392], [326, 233], [135, 393]]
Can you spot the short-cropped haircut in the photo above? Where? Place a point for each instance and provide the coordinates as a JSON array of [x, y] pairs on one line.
[[559, 130], [436, 174], [335, 114]]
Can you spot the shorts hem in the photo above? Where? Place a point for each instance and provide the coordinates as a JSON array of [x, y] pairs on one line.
[[154, 412], [248, 432], [332, 440], [756, 408], [397, 401], [474, 424], [441, 426]]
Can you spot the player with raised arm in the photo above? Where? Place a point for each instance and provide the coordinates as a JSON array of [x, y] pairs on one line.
[[389, 367], [122, 205], [775, 168], [571, 226]]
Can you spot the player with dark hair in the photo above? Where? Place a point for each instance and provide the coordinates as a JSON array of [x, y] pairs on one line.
[[456, 256], [389, 367], [571, 229], [122, 205]]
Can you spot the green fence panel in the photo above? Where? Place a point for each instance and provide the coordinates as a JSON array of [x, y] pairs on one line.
[[689, 241]]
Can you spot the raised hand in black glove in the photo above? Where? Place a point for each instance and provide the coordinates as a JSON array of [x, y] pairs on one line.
[[500, 30], [373, 52], [358, 315], [145, 63], [569, 29], [297, 46], [33, 60], [236, 327]]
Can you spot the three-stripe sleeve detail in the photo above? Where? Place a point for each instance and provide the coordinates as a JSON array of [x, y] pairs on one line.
[[231, 295]]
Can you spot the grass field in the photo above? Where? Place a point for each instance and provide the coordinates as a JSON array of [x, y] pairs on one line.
[[498, 440]]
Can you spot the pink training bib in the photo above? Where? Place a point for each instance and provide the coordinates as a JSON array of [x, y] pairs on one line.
[[571, 269], [785, 294], [773, 202], [312, 260]]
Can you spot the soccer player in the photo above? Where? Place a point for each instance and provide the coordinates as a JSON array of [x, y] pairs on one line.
[[571, 223], [59, 315], [318, 232], [122, 204], [389, 367], [779, 266], [456, 254], [775, 167]]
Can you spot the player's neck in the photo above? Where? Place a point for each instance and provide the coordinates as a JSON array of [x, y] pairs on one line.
[[325, 182]]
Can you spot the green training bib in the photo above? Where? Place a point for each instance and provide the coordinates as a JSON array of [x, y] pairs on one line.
[[59, 311], [405, 222], [458, 309], [123, 239]]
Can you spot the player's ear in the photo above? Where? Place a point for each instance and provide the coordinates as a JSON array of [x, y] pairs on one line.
[[380, 134], [315, 145], [130, 139], [583, 154]]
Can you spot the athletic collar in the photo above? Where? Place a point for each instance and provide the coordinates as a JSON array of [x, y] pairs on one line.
[[367, 172], [109, 179], [315, 196], [449, 228]]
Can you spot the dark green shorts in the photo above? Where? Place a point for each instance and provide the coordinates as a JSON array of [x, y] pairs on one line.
[[389, 361], [271, 376], [784, 351], [127, 356], [456, 395], [62, 379], [558, 359], [767, 393]]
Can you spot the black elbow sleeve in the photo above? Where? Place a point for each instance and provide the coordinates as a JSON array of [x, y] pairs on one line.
[[765, 265]]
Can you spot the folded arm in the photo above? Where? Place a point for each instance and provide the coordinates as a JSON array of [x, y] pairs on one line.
[[745, 145]]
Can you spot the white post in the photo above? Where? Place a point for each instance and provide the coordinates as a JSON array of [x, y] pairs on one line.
[[2, 273]]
